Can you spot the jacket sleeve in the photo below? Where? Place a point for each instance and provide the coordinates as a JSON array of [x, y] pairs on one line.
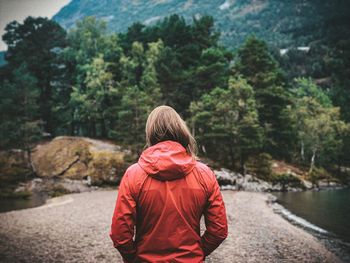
[[215, 221], [123, 221]]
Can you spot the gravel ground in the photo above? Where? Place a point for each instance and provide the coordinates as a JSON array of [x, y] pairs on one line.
[[74, 228]]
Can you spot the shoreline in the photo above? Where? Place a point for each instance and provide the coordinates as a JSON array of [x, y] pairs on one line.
[[332, 241], [40, 195], [74, 228]]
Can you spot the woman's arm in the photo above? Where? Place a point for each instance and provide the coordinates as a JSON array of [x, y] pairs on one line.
[[215, 221], [123, 221]]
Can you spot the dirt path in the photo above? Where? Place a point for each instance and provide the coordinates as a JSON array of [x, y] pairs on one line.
[[74, 228]]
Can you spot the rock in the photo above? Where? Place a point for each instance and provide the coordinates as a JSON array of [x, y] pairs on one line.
[[227, 177], [235, 181], [307, 184], [326, 184], [79, 158], [20, 188], [14, 166]]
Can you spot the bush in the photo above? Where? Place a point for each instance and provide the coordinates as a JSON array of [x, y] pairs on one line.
[[318, 173]]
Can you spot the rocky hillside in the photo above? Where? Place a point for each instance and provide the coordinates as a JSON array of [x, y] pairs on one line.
[[281, 23]]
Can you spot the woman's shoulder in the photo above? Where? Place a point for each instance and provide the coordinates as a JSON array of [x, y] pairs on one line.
[[134, 171], [134, 177], [204, 169], [134, 174]]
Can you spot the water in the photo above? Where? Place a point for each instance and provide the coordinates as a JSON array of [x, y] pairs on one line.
[[327, 210], [36, 199]]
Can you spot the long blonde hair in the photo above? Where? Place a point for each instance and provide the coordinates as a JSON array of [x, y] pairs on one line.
[[164, 123]]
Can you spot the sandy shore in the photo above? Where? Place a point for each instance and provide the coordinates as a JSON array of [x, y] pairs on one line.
[[74, 228]]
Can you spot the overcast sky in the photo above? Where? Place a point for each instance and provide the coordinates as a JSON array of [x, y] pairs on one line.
[[19, 9]]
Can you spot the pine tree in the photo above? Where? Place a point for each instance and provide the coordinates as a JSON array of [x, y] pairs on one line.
[[37, 42], [21, 125], [257, 65]]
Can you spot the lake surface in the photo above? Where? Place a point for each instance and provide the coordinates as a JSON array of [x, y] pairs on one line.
[[326, 209], [36, 199]]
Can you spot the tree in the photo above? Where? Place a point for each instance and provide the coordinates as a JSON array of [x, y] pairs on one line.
[[226, 123], [35, 42], [92, 65], [19, 114], [212, 71], [191, 61], [140, 93], [306, 87], [257, 65], [91, 101], [320, 129], [132, 116], [149, 80]]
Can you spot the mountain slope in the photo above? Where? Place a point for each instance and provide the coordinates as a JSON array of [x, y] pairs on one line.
[[280, 23]]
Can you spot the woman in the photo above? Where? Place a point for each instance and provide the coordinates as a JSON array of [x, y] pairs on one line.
[[164, 196]]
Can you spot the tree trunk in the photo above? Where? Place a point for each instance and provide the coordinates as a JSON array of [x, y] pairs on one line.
[[232, 158], [94, 132], [312, 164], [302, 153], [103, 129], [242, 165], [93, 129], [72, 129]]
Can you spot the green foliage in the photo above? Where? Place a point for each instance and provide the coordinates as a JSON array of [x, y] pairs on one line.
[[140, 93], [318, 173], [306, 87], [242, 107], [93, 68], [261, 166], [91, 100], [37, 43], [19, 113], [257, 65], [191, 63], [226, 122], [319, 127]]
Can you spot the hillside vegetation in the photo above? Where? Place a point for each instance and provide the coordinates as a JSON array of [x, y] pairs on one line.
[[280, 23]]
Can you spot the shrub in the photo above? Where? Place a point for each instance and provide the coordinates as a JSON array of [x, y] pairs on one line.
[[318, 173]]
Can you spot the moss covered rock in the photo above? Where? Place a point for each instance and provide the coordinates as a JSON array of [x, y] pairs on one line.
[[79, 158]]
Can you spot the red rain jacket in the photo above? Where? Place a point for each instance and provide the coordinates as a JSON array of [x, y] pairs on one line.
[[164, 196]]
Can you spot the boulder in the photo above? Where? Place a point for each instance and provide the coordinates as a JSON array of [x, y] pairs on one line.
[[235, 181], [227, 177], [79, 158], [307, 184]]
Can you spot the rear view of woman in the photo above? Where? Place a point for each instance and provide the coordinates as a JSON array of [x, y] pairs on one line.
[[164, 195]]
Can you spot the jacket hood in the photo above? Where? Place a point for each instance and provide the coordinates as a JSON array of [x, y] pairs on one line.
[[166, 161]]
